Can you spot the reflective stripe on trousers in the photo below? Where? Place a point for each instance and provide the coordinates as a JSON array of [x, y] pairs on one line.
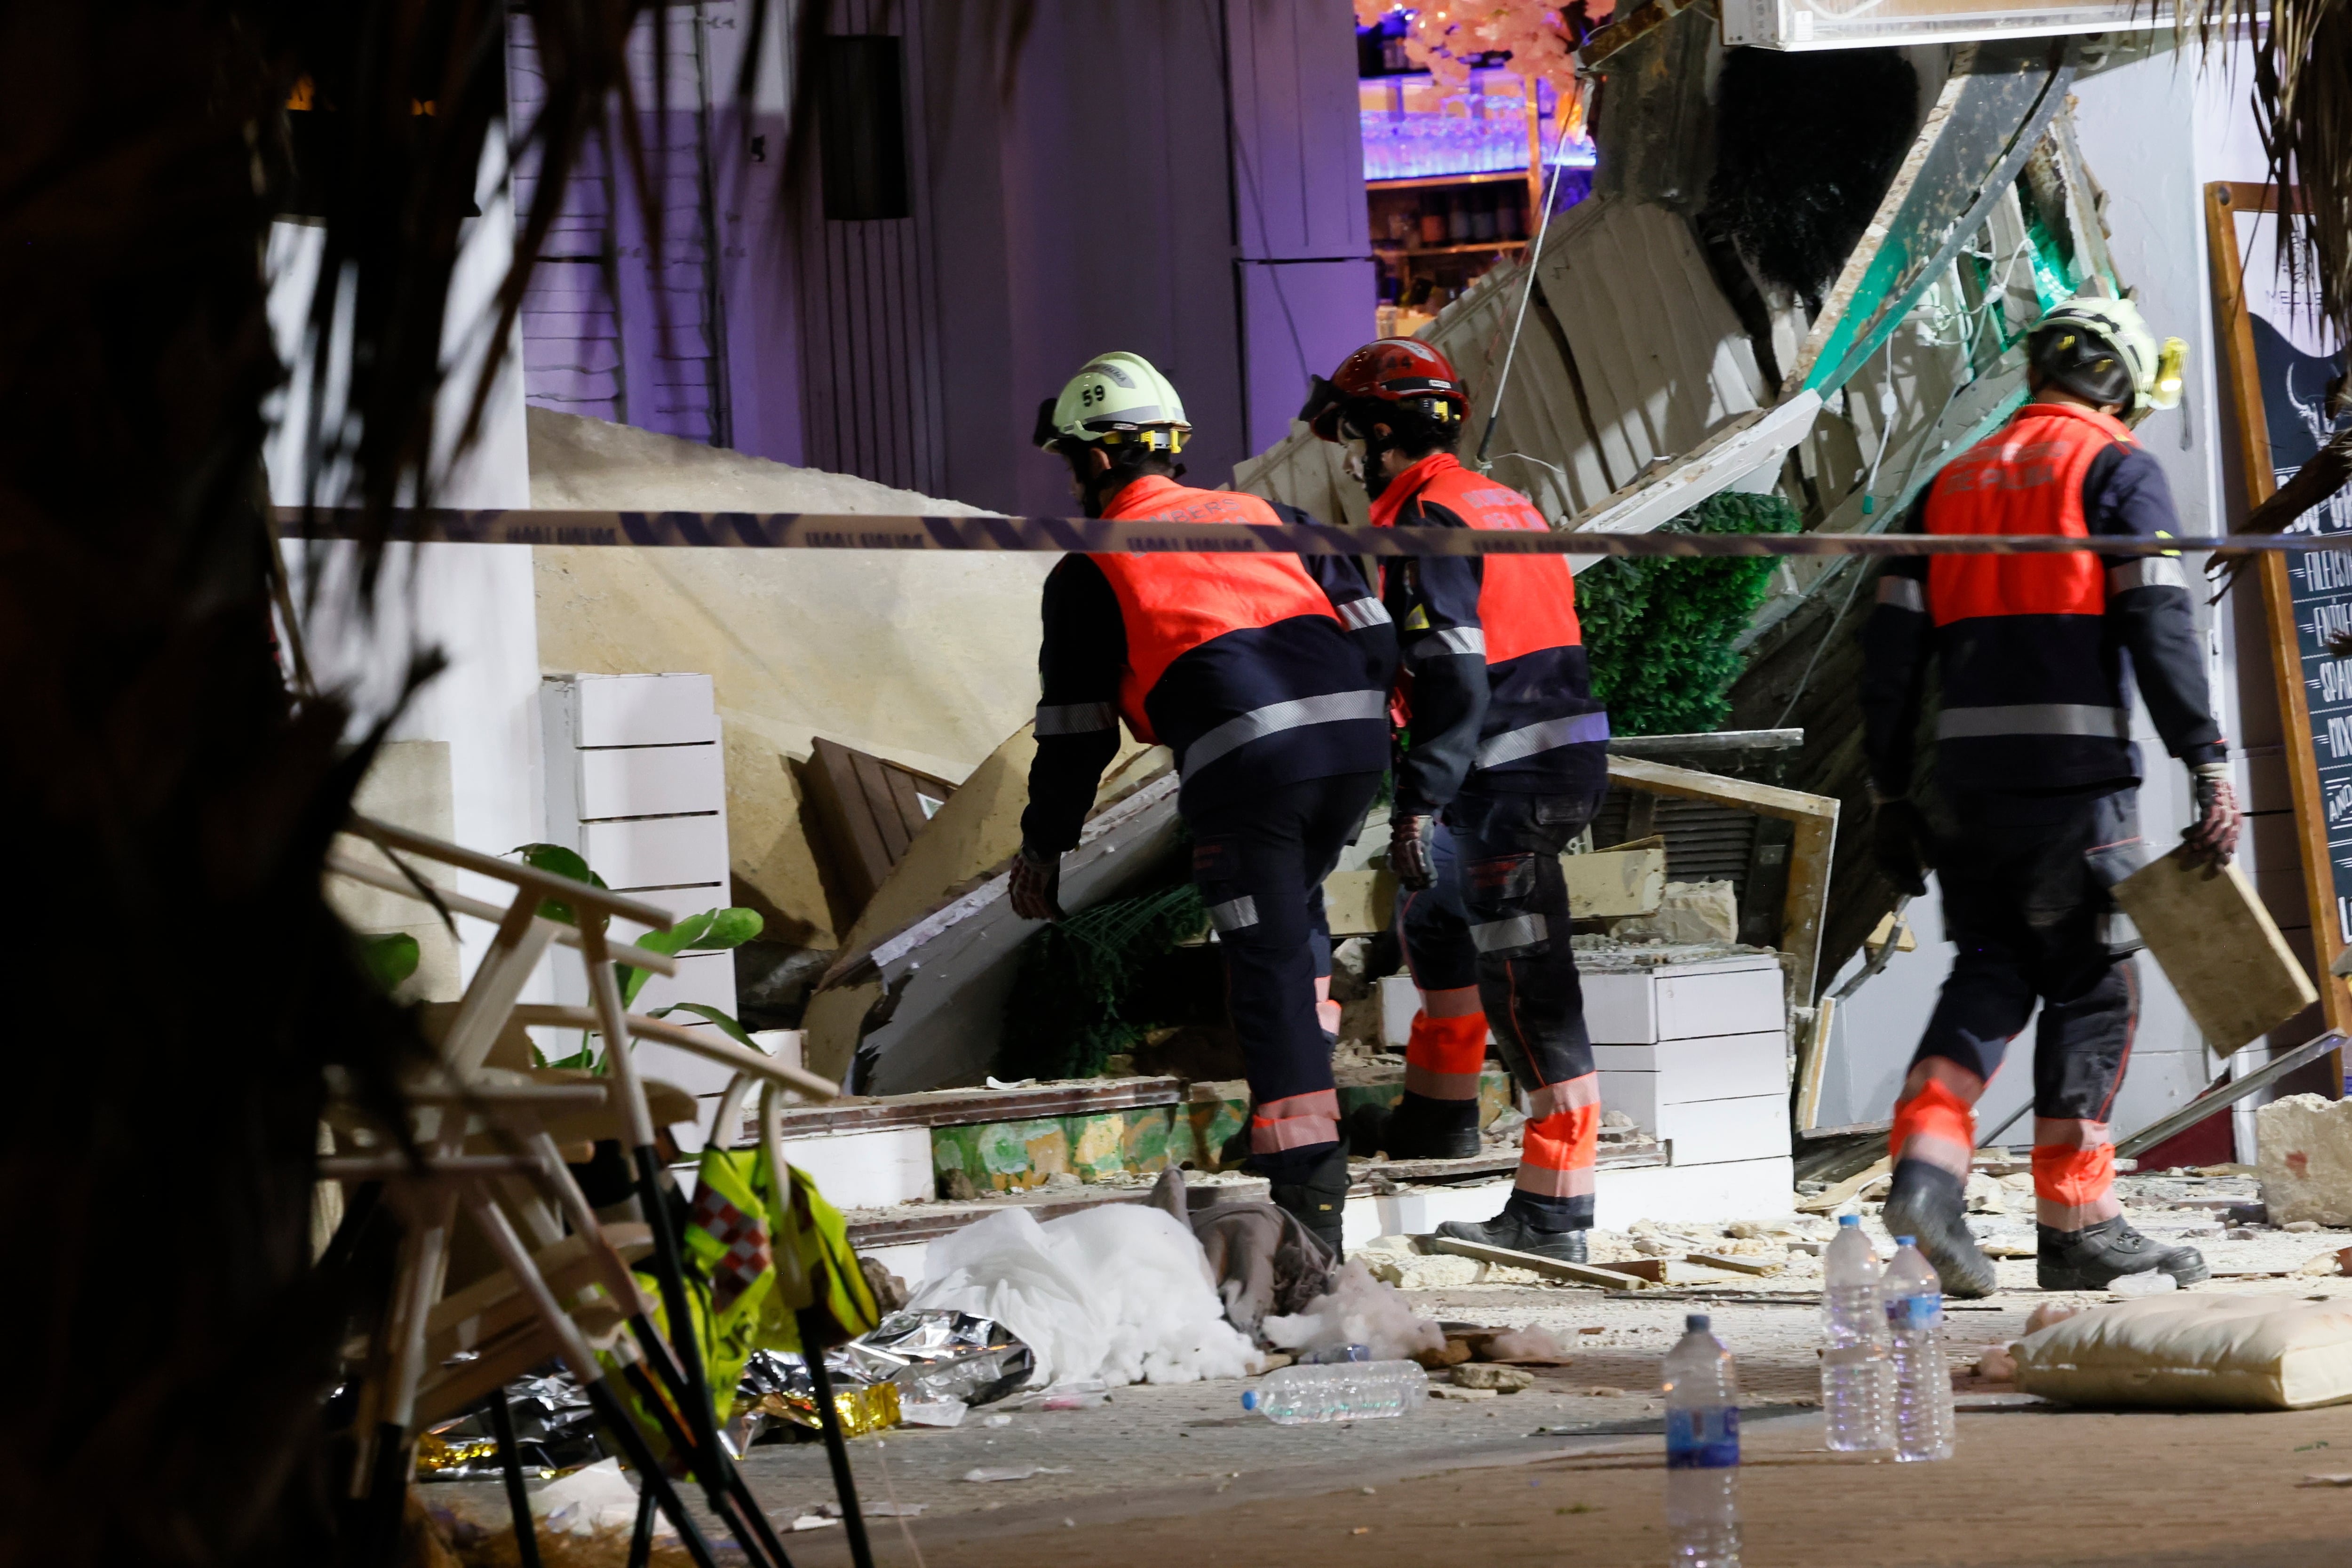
[[2033, 719], [1513, 935], [2073, 1173], [1234, 914], [1451, 640], [1444, 1056], [1561, 1142], [1275, 717], [1296, 1122], [2147, 572], [1937, 1125], [1514, 745]]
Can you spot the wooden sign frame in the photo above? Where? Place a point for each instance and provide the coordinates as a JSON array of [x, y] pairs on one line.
[[2233, 325]]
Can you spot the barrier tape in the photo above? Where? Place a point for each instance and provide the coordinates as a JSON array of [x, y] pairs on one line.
[[1097, 536]]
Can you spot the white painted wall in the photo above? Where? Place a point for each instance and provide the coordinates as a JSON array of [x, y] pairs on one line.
[[474, 604]]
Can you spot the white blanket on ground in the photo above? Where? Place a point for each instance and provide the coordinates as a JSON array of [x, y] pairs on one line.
[[1121, 1292]]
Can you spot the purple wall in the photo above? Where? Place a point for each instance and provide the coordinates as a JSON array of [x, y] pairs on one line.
[[1181, 181]]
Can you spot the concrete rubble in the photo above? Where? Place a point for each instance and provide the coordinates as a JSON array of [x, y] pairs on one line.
[[2305, 1143]]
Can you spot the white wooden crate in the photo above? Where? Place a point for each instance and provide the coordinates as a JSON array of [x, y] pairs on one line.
[[650, 781], [642, 709], [1737, 995], [636, 783], [658, 852], [1711, 1131], [1639, 1080]]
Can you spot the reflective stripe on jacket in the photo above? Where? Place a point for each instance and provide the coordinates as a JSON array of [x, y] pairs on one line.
[[2032, 651], [2020, 636], [1496, 678], [1243, 665]]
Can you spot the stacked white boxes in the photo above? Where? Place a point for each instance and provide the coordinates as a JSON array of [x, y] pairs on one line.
[[636, 782], [1698, 1055]]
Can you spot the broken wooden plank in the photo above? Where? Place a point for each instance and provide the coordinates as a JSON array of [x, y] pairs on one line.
[[1550, 1267], [1672, 1271], [1829, 1198], [1736, 1265]]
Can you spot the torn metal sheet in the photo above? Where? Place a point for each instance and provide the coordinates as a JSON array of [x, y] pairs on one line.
[[1756, 440], [940, 984]]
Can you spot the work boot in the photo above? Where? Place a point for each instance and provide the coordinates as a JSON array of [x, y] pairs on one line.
[[1926, 1204], [2096, 1256], [1517, 1233], [1419, 1128], [1318, 1200]]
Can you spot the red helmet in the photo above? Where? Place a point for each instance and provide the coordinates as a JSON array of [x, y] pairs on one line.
[[1403, 371]]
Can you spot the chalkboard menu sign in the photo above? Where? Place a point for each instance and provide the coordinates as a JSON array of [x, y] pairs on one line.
[[2280, 368]]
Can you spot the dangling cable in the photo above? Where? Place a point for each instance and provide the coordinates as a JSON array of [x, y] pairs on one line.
[[1535, 253]]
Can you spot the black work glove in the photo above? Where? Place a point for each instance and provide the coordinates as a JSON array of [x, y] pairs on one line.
[[1409, 852], [1902, 845], [1036, 885], [2213, 838]]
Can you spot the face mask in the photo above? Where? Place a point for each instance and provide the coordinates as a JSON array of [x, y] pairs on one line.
[[1355, 459]]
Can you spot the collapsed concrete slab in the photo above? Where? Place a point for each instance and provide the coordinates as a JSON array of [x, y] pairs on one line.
[[929, 660], [2304, 1159]]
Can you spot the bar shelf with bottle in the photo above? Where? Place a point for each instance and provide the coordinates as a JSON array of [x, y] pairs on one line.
[[1453, 178]]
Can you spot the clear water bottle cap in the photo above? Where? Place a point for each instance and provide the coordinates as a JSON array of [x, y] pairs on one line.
[[1905, 1240], [1848, 1221], [1249, 1398], [1698, 1323]]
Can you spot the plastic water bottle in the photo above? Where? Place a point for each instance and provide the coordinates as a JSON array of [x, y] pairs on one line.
[[1923, 1381], [1343, 1391], [1857, 1369], [1702, 1451]]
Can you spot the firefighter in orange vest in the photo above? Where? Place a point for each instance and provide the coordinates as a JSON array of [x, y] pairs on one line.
[[1507, 763], [1267, 676], [2035, 811]]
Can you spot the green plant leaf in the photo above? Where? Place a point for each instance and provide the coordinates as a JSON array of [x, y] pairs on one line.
[[727, 1026], [712, 931], [688, 933], [390, 959], [676, 940], [731, 927], [558, 861]]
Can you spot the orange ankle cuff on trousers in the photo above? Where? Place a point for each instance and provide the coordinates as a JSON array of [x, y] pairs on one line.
[[1937, 1126], [1444, 1056]]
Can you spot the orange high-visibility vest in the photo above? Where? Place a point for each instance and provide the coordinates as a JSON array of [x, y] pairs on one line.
[[1526, 603], [1171, 604], [2027, 477]]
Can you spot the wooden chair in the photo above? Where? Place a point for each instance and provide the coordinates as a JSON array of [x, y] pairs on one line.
[[478, 1140]]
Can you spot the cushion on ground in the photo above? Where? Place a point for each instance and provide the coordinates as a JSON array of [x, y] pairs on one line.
[[2197, 1352]]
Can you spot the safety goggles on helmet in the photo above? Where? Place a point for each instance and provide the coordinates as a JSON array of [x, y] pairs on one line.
[[1404, 372]]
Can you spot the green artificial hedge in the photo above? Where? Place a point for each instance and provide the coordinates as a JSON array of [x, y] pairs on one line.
[[1659, 631], [1076, 988]]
